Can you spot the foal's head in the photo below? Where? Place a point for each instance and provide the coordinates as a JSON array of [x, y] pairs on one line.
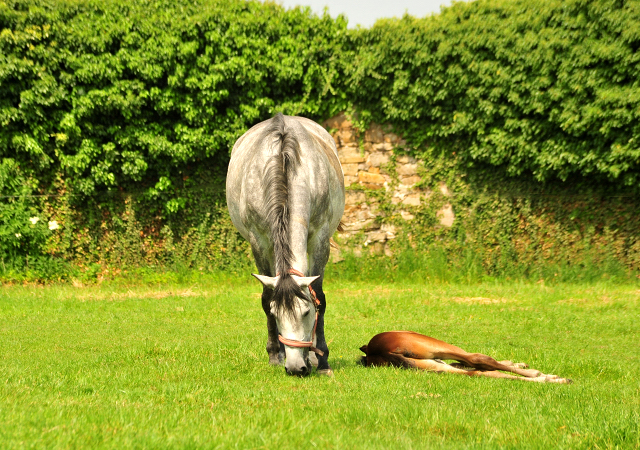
[[295, 314]]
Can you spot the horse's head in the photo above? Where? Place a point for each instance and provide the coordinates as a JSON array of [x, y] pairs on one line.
[[295, 314]]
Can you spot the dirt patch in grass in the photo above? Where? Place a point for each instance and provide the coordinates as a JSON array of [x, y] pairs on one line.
[[479, 300]]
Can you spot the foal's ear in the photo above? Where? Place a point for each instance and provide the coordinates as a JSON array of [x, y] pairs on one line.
[[266, 281], [364, 349], [304, 282]]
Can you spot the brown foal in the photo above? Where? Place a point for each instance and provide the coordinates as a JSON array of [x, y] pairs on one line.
[[413, 350]]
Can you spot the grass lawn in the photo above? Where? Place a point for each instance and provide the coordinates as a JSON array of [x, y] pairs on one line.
[[184, 366]]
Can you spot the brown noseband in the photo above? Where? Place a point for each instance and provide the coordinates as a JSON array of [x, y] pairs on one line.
[[303, 344]]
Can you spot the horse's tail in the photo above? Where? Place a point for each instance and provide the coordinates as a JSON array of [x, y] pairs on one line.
[[277, 173]]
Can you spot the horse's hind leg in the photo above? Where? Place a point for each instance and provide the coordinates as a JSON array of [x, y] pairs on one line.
[[321, 343]]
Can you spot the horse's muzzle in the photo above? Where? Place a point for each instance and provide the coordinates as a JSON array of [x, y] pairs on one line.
[[301, 371]]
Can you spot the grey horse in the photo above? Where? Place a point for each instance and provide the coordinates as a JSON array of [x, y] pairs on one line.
[[285, 194]]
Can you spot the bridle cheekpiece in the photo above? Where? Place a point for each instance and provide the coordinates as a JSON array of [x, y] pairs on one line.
[[303, 344]]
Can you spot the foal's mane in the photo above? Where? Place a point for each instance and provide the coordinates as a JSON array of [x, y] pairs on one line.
[[275, 186]]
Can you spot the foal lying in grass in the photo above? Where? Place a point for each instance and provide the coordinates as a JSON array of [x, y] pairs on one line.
[[413, 350]]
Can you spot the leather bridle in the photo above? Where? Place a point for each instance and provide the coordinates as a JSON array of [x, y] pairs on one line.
[[303, 344]]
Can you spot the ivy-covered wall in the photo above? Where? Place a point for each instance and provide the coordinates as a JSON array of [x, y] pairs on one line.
[[476, 221], [117, 117]]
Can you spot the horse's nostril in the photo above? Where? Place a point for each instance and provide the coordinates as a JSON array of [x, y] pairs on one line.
[[300, 371]]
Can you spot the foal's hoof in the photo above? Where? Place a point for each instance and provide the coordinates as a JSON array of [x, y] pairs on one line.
[[325, 372], [557, 379]]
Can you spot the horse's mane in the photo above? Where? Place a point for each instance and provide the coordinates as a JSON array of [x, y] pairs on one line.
[[275, 186]]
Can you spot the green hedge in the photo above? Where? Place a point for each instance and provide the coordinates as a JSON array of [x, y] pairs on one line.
[[114, 94], [545, 87]]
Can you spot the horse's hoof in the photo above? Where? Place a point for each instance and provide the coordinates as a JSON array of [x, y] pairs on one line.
[[326, 372], [275, 361]]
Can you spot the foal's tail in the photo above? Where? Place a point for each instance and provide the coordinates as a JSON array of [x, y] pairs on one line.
[[277, 173]]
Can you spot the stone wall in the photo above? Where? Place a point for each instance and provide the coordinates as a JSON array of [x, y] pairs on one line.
[[367, 165]]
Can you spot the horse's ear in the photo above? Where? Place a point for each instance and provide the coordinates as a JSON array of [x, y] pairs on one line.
[[364, 349], [304, 282], [266, 281]]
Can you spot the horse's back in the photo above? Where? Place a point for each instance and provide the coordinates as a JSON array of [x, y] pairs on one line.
[[318, 172]]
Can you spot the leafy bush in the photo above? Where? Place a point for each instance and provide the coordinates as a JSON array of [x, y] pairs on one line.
[[547, 87], [118, 94]]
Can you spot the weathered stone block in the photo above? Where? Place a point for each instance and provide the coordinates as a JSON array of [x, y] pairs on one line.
[[368, 177], [391, 138], [378, 159], [390, 230], [346, 136], [407, 169], [339, 121], [376, 236], [412, 200], [374, 133], [354, 198], [382, 147], [406, 215], [350, 169], [406, 159], [446, 215], [367, 225], [409, 180], [349, 180], [351, 160], [348, 150]]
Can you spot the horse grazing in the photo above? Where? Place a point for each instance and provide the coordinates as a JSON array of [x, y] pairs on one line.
[[413, 350], [285, 193]]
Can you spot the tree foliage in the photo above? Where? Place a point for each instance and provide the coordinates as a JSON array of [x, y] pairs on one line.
[[114, 93], [548, 87]]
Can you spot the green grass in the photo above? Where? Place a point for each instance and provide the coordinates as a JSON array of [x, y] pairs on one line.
[[175, 365]]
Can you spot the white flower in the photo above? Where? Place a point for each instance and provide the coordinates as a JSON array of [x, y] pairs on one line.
[[53, 225], [34, 220], [18, 235]]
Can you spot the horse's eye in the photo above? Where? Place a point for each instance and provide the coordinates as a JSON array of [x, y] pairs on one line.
[[306, 313]]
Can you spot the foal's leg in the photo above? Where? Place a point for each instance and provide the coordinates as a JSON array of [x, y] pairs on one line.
[[505, 362], [439, 366]]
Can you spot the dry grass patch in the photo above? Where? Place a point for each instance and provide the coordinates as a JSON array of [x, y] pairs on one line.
[[480, 300]]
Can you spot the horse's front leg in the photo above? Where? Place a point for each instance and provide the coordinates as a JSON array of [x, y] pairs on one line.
[[321, 343], [274, 348], [318, 257]]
